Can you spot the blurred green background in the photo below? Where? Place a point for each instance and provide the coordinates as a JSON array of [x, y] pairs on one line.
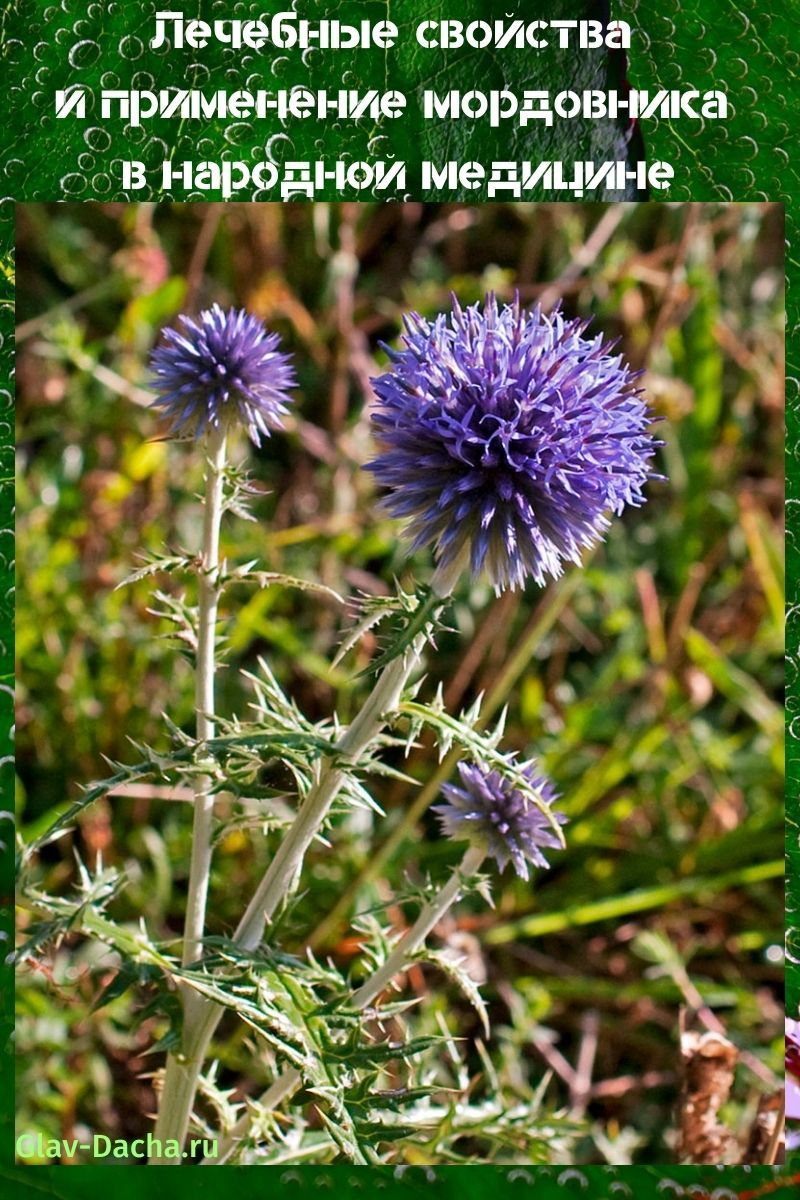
[[648, 683]]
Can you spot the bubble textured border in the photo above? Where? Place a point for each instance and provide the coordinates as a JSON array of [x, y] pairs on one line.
[[679, 43]]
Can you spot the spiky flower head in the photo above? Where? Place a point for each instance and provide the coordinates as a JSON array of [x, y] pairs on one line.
[[220, 370], [490, 811], [507, 439]]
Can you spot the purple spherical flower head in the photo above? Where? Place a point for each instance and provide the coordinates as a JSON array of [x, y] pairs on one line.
[[507, 438], [222, 369], [490, 812]]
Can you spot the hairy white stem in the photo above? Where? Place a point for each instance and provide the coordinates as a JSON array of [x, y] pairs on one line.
[[181, 1077], [208, 598], [285, 866], [430, 915], [181, 1074]]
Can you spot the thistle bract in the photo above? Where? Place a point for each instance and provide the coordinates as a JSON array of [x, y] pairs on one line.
[[220, 370], [507, 440], [489, 811]]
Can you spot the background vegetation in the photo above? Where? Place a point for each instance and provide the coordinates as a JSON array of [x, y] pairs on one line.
[[648, 683]]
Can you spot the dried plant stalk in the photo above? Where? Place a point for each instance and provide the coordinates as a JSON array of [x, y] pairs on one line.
[[709, 1063]]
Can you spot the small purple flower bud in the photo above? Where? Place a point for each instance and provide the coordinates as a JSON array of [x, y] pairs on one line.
[[490, 812], [221, 370], [507, 439]]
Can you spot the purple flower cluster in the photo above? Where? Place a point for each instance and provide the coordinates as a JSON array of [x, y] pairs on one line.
[[490, 812], [222, 369], [507, 438]]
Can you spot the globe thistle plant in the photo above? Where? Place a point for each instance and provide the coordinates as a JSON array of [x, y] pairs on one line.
[[499, 818], [221, 370], [508, 438]]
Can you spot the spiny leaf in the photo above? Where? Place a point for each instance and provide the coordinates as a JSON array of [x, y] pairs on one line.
[[386, 1051], [464, 981], [265, 579], [423, 616], [157, 564], [220, 749]]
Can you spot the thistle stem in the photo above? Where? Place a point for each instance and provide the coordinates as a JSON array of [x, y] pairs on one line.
[[280, 878], [208, 599], [285, 866], [430, 914], [181, 1074]]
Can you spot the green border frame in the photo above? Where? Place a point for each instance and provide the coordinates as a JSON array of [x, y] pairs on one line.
[[677, 43]]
